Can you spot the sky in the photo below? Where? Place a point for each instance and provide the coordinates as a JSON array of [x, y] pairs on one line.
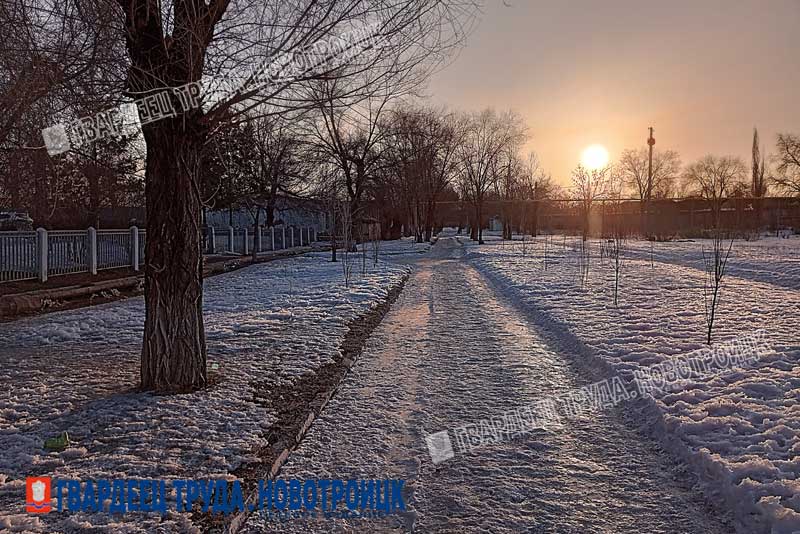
[[703, 73]]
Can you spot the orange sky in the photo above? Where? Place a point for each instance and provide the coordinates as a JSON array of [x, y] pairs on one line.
[[703, 73]]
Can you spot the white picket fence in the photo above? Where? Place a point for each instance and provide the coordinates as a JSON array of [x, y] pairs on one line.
[[39, 254], [244, 240]]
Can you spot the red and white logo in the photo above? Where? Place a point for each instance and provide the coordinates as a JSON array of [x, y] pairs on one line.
[[37, 495]]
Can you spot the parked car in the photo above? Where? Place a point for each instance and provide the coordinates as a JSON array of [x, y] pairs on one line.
[[15, 220]]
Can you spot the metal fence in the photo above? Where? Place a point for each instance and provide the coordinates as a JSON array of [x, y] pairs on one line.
[[40, 254], [142, 241], [67, 252], [114, 249], [18, 256], [242, 241], [37, 255]]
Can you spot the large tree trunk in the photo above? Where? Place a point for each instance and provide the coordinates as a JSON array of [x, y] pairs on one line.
[[352, 241], [429, 219], [174, 347], [473, 230]]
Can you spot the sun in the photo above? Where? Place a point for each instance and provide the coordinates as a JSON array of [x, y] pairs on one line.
[[594, 157]]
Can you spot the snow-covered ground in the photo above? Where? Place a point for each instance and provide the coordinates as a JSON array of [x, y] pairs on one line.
[[77, 370], [452, 350], [772, 260], [398, 248], [740, 430]]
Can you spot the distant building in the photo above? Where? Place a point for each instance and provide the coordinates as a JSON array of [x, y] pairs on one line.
[[289, 211], [496, 224]]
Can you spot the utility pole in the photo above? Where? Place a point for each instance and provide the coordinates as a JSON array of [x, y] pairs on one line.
[[650, 141]]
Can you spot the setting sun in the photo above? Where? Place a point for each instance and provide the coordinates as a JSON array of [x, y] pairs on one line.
[[594, 157]]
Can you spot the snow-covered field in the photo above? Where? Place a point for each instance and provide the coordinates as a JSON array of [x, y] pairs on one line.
[[739, 430], [77, 370], [772, 260]]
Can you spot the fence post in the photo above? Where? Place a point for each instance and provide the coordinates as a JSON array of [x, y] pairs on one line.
[[91, 253], [230, 239], [315, 235], [292, 231], [245, 244], [41, 253], [273, 237], [135, 248], [258, 240], [212, 240], [283, 241]]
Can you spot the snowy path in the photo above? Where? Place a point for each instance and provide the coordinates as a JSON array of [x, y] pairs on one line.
[[453, 351]]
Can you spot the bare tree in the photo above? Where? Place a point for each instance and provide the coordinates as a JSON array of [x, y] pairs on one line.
[[439, 160], [758, 184], [590, 186], [615, 243], [420, 151], [510, 173], [51, 51], [715, 179], [788, 164], [616, 253], [634, 167], [58, 59], [280, 167], [172, 44], [345, 216], [349, 135], [715, 261], [228, 164], [486, 135], [327, 186]]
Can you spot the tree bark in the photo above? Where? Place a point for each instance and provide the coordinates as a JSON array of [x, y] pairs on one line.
[[174, 346]]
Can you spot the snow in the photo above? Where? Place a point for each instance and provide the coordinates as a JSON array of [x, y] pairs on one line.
[[452, 350], [772, 260], [403, 248], [740, 430], [77, 371]]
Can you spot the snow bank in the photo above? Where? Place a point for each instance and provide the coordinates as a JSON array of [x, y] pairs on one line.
[[740, 430]]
